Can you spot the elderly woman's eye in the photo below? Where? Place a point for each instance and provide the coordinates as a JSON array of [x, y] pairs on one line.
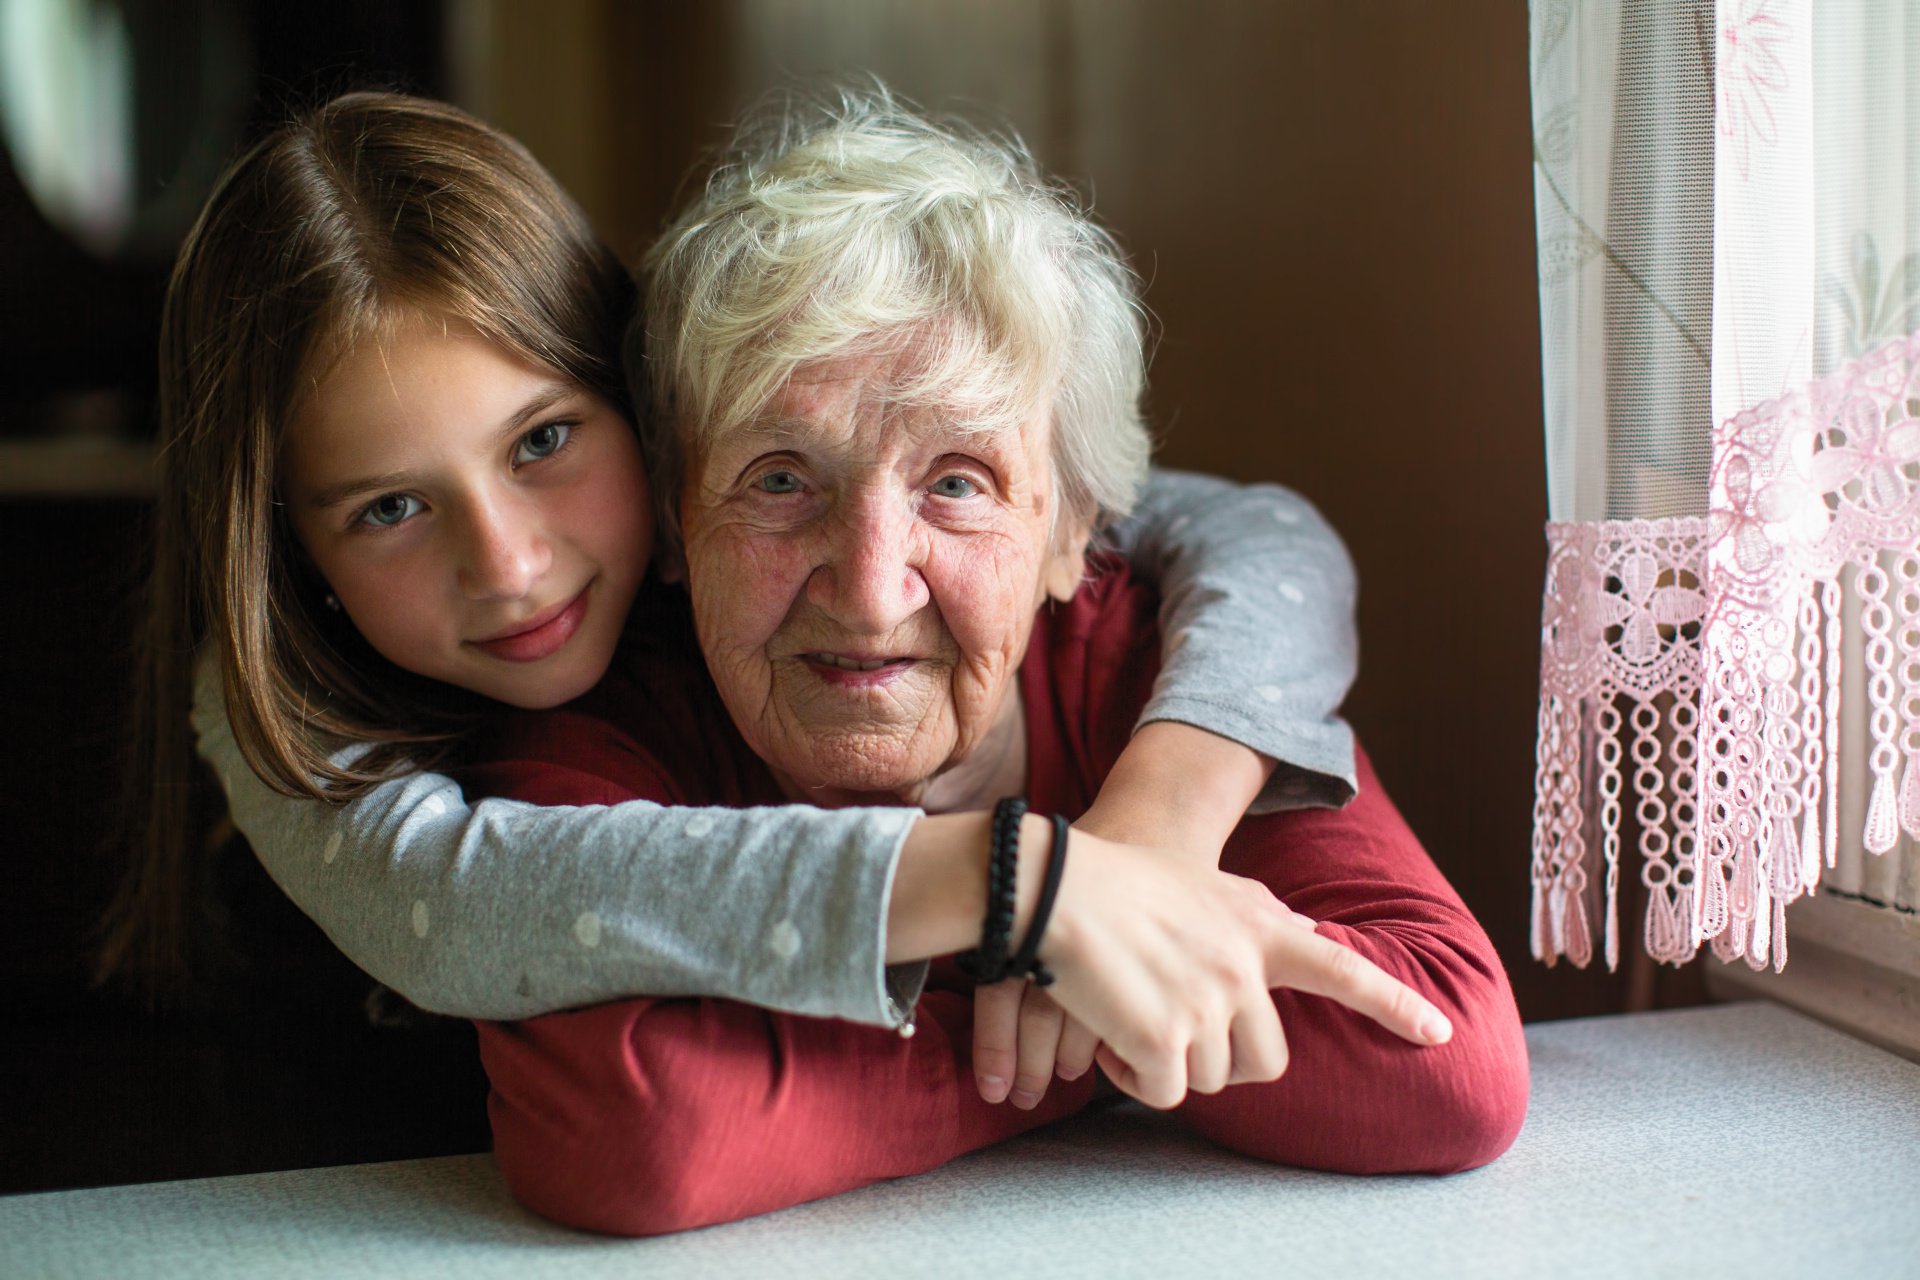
[[390, 509], [543, 441], [955, 486], [778, 482]]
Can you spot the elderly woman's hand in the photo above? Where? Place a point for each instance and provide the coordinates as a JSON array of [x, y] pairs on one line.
[[1022, 1038]]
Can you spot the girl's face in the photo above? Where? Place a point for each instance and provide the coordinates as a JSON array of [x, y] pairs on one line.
[[482, 520]]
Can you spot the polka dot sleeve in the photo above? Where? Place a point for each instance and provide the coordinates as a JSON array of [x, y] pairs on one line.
[[505, 909], [1257, 619]]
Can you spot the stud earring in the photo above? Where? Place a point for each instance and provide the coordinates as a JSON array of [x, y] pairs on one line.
[[333, 602]]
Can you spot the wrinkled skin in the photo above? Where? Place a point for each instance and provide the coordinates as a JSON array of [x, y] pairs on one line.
[[865, 576]]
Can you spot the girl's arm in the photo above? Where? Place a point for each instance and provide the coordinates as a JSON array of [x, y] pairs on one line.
[[1259, 649], [502, 910], [1258, 641]]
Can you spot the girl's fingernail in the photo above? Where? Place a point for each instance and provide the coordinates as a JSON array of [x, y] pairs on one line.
[[1025, 1099], [1435, 1029], [993, 1088], [1069, 1073]]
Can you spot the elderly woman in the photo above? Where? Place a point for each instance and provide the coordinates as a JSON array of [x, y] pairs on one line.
[[896, 380]]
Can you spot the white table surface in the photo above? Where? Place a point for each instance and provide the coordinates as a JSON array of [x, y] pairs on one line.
[[1739, 1140]]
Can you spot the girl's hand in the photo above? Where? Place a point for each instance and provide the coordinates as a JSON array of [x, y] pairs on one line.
[[1170, 966], [1022, 1039], [1175, 788]]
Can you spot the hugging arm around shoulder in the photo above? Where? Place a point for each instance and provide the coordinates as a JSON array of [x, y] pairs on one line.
[[1257, 618], [501, 908], [504, 890]]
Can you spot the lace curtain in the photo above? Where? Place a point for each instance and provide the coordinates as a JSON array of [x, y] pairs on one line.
[[1728, 205]]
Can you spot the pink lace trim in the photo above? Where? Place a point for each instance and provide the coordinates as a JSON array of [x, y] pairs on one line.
[[1703, 656], [1619, 693]]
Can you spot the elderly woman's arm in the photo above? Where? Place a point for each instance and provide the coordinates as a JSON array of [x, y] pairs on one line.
[[652, 1115], [1356, 1101]]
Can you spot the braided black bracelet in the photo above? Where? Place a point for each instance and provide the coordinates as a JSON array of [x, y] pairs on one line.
[[1026, 961], [988, 964]]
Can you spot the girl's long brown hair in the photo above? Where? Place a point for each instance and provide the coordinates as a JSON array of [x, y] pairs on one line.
[[371, 207]]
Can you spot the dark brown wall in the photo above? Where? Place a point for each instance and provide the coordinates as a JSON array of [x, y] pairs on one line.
[[1336, 203]]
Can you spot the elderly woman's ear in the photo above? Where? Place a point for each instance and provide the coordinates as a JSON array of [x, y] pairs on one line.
[[1066, 566]]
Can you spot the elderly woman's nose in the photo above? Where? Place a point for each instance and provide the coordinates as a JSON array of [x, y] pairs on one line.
[[869, 578], [504, 550]]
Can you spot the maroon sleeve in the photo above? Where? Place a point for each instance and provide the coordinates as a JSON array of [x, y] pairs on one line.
[[645, 1116], [649, 1116], [1356, 1098]]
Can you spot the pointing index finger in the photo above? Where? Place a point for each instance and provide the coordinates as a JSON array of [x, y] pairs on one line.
[[1320, 966]]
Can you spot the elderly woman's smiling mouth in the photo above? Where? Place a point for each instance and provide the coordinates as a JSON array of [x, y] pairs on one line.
[[844, 678], [853, 671]]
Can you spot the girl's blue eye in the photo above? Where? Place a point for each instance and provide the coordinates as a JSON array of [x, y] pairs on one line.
[[778, 482], [955, 486], [542, 442], [390, 509]]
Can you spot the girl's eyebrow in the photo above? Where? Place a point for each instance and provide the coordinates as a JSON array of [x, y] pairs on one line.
[[538, 403], [346, 490], [335, 494]]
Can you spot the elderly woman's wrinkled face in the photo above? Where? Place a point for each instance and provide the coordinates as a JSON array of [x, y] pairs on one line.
[[865, 577]]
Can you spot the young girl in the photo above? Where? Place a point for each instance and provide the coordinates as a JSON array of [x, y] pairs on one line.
[[381, 220]]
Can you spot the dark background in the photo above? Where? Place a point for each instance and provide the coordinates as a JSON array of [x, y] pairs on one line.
[[1332, 205]]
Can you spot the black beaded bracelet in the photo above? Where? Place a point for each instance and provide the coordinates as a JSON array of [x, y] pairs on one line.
[[1026, 961], [988, 964]]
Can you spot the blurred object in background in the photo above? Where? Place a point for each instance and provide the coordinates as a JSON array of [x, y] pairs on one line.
[[116, 116]]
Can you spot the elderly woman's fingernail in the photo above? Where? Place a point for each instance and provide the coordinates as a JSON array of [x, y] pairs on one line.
[[1025, 1099], [1434, 1027], [993, 1088]]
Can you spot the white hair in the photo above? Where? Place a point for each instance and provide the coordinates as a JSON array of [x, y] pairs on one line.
[[857, 228]]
